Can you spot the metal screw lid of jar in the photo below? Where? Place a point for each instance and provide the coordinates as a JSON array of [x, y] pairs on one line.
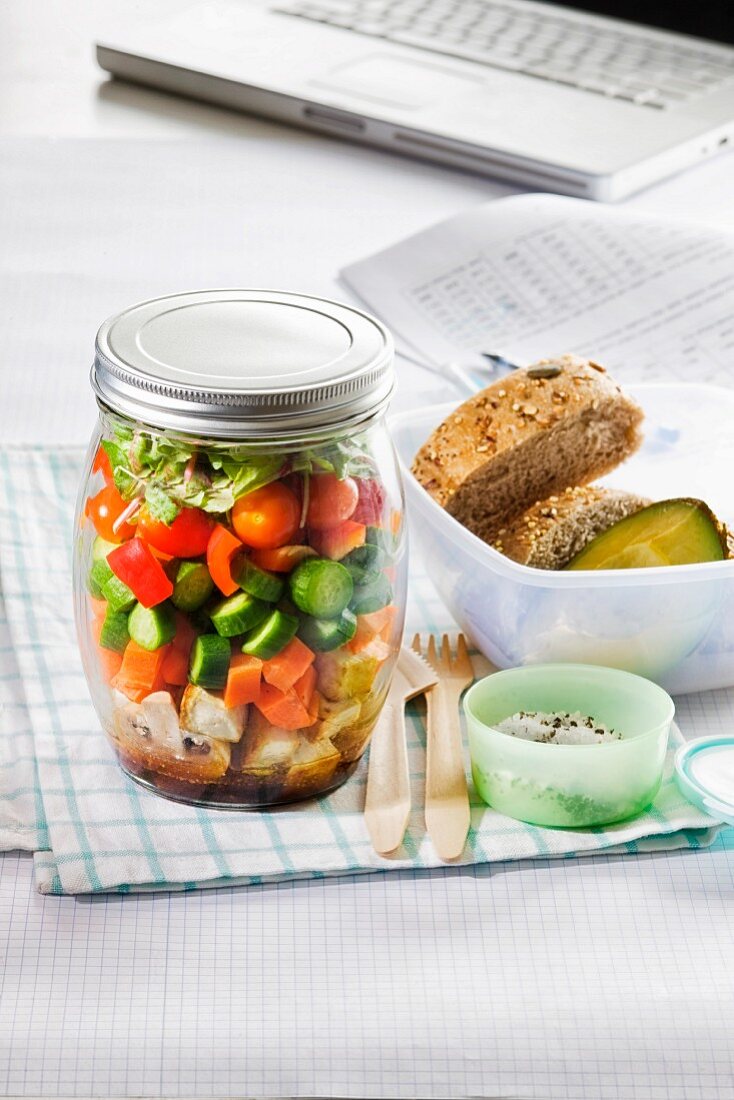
[[233, 363]]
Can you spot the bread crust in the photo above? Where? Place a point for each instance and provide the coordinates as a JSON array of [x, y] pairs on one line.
[[471, 463]]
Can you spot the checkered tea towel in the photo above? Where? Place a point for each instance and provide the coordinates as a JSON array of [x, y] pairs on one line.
[[63, 794]]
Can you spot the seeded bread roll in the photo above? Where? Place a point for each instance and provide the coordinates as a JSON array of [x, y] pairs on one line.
[[532, 434], [555, 530]]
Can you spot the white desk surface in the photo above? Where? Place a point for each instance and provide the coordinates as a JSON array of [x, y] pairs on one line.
[[250, 972]]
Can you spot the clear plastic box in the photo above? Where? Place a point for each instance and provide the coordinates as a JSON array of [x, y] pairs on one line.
[[674, 625]]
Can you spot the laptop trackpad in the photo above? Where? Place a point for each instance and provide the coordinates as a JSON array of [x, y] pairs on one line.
[[399, 82]]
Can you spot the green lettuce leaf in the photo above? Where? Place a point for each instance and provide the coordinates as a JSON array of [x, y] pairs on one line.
[[160, 505]]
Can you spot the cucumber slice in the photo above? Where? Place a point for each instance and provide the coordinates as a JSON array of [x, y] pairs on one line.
[[117, 594], [238, 614], [114, 634], [192, 586], [101, 548], [258, 582], [681, 531], [98, 574], [361, 575], [209, 661], [378, 536], [372, 596], [369, 556], [326, 634], [271, 636], [151, 627], [321, 587]]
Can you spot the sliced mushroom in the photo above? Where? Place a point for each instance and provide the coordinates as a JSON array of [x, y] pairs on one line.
[[312, 769], [269, 749], [346, 676], [150, 737], [206, 758], [205, 714], [161, 717], [337, 716]]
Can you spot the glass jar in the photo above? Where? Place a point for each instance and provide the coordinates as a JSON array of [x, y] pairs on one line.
[[240, 557]]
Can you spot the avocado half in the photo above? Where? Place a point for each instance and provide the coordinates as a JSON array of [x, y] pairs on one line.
[[681, 531]]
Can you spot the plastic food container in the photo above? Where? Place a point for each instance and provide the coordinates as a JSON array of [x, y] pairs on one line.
[[240, 550], [674, 625], [569, 785]]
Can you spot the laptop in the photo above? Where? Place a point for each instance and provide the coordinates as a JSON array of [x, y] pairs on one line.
[[566, 97]]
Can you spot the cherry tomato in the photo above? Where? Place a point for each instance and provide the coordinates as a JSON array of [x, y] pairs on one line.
[[267, 517], [102, 462], [103, 509], [187, 536], [331, 500]]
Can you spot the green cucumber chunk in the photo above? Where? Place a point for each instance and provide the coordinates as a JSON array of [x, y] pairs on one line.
[[101, 548], [258, 582], [321, 587], [114, 634], [98, 575], [361, 575], [151, 627], [368, 556], [326, 634], [192, 586], [238, 614], [271, 636], [372, 596], [209, 661], [117, 594]]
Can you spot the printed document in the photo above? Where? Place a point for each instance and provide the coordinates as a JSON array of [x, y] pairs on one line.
[[536, 275]]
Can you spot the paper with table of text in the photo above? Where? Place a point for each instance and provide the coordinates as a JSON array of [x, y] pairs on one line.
[[536, 275]]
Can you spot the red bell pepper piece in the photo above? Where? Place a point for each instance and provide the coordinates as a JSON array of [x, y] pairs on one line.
[[135, 565], [102, 462], [221, 551]]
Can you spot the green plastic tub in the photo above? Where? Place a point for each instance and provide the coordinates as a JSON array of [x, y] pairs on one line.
[[575, 786]]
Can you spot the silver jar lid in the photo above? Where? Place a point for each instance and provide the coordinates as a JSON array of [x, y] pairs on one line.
[[252, 363]]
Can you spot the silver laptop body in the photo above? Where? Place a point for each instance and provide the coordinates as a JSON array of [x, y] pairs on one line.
[[548, 95]]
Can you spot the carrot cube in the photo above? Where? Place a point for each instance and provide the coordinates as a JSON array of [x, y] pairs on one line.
[[141, 671], [282, 709], [175, 668], [243, 680], [305, 686], [289, 665]]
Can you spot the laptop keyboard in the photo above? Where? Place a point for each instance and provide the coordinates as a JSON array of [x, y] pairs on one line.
[[623, 64]]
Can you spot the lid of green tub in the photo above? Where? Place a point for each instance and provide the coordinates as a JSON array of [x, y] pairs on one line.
[[704, 772], [241, 363]]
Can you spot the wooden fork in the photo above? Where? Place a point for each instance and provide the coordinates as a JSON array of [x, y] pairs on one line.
[[447, 796]]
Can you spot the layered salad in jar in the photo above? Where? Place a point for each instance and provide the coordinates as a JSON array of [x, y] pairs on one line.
[[241, 610]]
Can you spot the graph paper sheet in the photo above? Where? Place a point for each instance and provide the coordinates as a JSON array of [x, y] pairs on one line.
[[601, 979], [535, 275]]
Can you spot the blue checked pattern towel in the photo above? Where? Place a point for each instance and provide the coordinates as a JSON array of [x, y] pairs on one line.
[[63, 796]]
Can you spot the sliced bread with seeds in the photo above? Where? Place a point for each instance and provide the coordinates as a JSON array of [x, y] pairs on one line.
[[530, 435], [555, 530]]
